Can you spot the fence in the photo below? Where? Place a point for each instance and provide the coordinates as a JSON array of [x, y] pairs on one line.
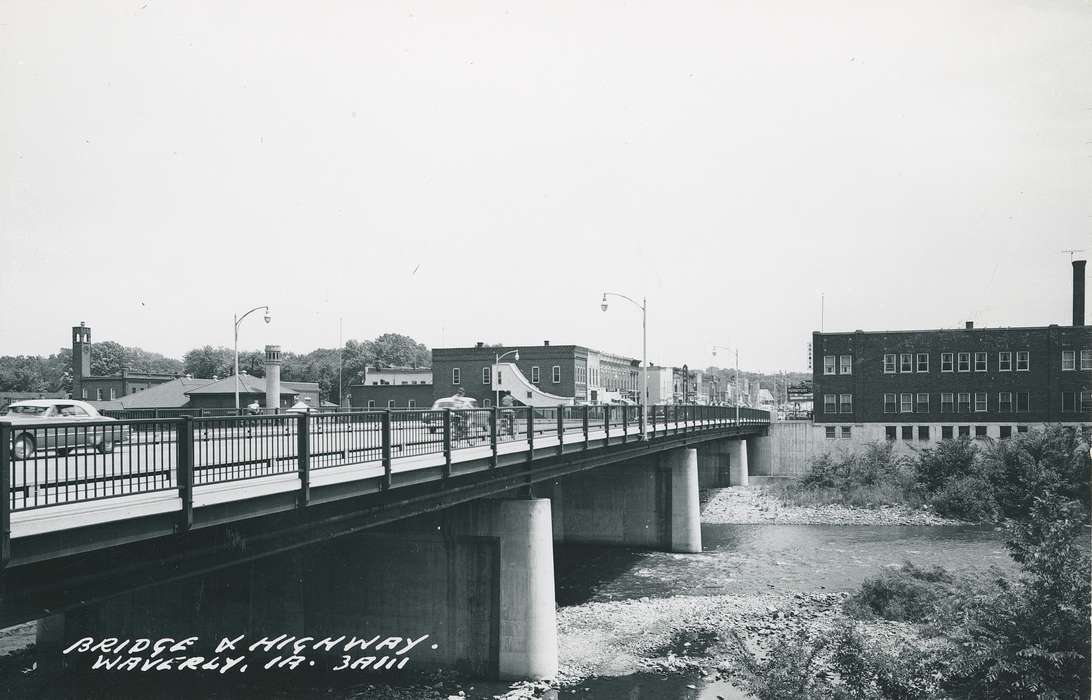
[[47, 464]]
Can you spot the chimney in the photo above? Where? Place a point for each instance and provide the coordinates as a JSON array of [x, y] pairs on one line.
[[272, 376], [970, 325], [479, 344], [1078, 292], [546, 343]]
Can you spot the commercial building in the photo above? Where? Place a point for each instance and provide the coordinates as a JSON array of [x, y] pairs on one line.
[[918, 387]]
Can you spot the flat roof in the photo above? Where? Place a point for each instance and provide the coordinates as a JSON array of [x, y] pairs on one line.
[[950, 330]]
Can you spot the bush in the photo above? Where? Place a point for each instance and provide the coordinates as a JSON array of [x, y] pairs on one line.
[[906, 594], [1052, 461], [965, 498], [950, 458], [872, 477]]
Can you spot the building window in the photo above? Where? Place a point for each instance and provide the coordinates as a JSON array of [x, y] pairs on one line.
[[1086, 402], [556, 372], [535, 377], [1006, 431], [98, 394], [923, 362], [946, 402], [964, 403], [922, 405], [1086, 359], [83, 394], [456, 375], [412, 403], [390, 403], [1004, 401], [371, 403], [1023, 360], [980, 432], [846, 432], [890, 403], [1069, 401], [1023, 402], [845, 364], [891, 432], [830, 403], [980, 402], [487, 374], [964, 431], [906, 362], [845, 403], [964, 362], [828, 364], [907, 432], [1021, 428], [1069, 360], [830, 432], [923, 432], [945, 432], [946, 362], [487, 403], [906, 403], [1004, 362], [889, 364], [980, 362]]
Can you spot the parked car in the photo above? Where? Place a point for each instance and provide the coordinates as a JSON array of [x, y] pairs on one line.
[[33, 430]]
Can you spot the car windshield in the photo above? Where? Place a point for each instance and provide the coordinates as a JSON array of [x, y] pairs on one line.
[[26, 410]]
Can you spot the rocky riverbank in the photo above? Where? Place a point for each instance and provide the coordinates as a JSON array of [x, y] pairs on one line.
[[760, 505]]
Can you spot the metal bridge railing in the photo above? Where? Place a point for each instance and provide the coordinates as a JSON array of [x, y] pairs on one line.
[[51, 464]]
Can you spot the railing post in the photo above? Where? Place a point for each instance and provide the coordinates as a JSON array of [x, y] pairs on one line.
[[606, 423], [625, 422], [585, 426], [386, 435], [560, 430], [447, 443], [493, 434], [5, 494], [530, 433], [184, 468], [303, 449]]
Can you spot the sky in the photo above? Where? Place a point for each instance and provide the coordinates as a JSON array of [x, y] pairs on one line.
[[484, 171]]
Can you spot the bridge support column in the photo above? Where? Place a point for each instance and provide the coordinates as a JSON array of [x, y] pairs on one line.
[[739, 462], [527, 611], [714, 464], [760, 455], [685, 511]]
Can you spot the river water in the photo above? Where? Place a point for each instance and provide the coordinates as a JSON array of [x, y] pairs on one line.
[[756, 559]]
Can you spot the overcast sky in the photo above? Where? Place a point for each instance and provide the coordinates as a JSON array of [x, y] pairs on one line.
[[463, 171]]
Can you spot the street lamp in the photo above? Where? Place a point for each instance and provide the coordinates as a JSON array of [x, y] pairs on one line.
[[724, 347], [238, 320], [643, 306], [496, 361]]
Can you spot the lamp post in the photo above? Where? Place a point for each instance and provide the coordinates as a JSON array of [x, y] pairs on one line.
[[238, 320], [496, 361], [724, 347], [643, 306]]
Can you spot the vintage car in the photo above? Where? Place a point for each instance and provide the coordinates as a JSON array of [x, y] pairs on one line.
[[462, 423], [59, 424]]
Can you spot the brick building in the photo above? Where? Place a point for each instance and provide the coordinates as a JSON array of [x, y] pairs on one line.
[[924, 386], [105, 387]]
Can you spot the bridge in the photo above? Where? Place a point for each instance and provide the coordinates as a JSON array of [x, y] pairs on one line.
[[438, 522]]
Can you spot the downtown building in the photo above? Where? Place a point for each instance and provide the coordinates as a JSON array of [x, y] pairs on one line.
[[918, 387]]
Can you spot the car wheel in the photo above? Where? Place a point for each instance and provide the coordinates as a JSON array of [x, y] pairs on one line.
[[24, 447], [105, 447], [63, 451]]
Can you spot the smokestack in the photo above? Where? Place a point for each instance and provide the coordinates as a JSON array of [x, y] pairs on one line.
[[272, 376], [970, 324], [546, 343], [1078, 292]]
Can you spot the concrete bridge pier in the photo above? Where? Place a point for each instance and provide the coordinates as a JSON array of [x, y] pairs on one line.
[[714, 464], [739, 466], [647, 502]]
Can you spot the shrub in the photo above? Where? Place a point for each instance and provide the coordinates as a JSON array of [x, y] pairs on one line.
[[906, 594], [871, 477], [790, 673], [949, 459], [1054, 460], [965, 498]]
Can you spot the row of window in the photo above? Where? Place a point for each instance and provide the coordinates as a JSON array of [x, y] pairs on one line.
[[947, 432], [907, 362], [978, 402], [487, 374]]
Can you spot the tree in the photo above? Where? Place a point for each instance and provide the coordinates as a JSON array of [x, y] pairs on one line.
[[209, 362], [395, 349], [107, 358], [22, 373]]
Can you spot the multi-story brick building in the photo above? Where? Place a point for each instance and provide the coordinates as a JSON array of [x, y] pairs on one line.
[[923, 386]]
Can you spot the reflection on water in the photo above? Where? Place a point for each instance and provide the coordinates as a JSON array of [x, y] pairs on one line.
[[749, 559]]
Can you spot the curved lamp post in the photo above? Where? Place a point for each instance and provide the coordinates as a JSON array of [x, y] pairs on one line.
[[496, 361], [238, 320], [643, 306], [725, 347]]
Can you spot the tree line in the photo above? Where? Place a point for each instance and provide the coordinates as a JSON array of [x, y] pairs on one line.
[[54, 373]]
